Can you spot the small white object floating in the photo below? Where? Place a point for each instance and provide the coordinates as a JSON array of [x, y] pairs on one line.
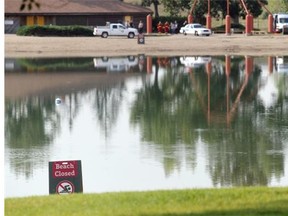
[[58, 101]]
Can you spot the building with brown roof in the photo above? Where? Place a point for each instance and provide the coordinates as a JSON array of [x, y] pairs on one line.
[[72, 12]]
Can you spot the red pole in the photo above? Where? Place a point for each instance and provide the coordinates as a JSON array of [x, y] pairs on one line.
[[208, 18], [249, 20], [227, 65], [245, 8], [149, 23], [248, 65], [149, 64], [193, 7], [270, 18], [227, 71], [228, 25], [249, 24], [228, 8], [270, 23], [208, 70], [228, 20], [190, 18]]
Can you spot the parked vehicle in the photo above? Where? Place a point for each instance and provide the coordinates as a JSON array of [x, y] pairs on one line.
[[115, 29], [195, 29], [194, 62], [116, 64], [280, 21], [282, 64]]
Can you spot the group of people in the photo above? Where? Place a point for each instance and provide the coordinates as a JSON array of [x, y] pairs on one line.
[[161, 27], [140, 25], [166, 27]]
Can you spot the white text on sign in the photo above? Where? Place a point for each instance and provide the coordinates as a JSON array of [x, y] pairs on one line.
[[65, 169]]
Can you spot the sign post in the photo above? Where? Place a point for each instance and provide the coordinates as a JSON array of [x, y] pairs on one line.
[[65, 177], [141, 38]]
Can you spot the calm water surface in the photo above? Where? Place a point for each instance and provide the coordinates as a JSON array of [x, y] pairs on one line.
[[147, 123]]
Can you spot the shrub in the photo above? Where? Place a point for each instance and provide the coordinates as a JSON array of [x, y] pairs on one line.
[[52, 30]]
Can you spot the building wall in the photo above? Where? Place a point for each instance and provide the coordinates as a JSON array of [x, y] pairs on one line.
[[35, 20], [12, 23], [70, 20]]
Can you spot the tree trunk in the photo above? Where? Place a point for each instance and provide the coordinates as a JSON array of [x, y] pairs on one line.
[[156, 8], [235, 19]]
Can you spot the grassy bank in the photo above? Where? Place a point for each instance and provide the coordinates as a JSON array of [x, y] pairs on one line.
[[203, 202]]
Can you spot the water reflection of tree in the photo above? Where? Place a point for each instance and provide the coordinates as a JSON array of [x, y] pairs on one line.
[[170, 110], [160, 110], [106, 103], [239, 156], [30, 124]]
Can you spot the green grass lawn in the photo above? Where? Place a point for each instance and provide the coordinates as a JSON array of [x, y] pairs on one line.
[[250, 201]]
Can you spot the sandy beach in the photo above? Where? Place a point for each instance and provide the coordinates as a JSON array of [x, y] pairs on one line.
[[217, 44]]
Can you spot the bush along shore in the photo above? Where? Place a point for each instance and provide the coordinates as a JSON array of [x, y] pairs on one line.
[[246, 201], [51, 30]]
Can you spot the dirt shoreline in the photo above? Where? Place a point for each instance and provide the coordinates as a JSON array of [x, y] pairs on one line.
[[217, 44]]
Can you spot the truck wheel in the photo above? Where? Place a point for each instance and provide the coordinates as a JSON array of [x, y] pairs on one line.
[[131, 35], [104, 35]]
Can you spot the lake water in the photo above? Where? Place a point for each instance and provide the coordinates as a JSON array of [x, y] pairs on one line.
[[147, 122]]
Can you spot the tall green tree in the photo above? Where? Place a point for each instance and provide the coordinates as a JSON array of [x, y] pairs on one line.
[[277, 6], [218, 8], [155, 4], [174, 7], [286, 5]]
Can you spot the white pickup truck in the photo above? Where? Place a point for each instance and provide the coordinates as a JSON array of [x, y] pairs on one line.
[[115, 29], [280, 21]]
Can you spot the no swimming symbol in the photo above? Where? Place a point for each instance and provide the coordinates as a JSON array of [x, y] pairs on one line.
[[65, 187]]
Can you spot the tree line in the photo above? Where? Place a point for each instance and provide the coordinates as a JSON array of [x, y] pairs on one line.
[[218, 7]]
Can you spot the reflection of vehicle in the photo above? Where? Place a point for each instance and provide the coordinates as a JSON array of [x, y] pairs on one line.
[[115, 64], [195, 61], [195, 29], [280, 21], [282, 64], [115, 29]]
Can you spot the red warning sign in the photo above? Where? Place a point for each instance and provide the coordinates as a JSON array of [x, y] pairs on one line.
[[65, 177], [62, 169], [65, 187]]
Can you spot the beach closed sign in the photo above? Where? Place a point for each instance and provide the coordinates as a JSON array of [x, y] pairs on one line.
[[65, 177]]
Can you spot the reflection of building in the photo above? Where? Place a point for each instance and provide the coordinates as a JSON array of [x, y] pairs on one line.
[[116, 64]]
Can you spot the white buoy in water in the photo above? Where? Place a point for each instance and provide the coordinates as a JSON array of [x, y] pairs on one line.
[[58, 101]]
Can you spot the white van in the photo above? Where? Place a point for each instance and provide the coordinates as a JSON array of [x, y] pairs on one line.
[[280, 20]]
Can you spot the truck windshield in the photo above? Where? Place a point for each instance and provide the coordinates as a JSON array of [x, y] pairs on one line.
[[283, 20]]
